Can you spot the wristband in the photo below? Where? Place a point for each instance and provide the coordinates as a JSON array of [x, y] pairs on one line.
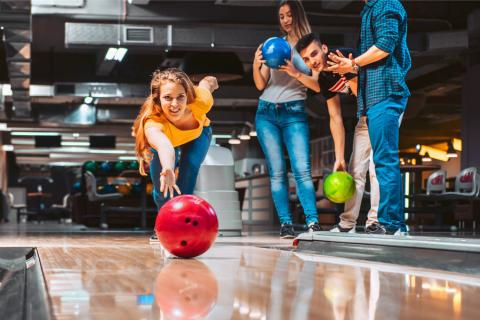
[[355, 66]]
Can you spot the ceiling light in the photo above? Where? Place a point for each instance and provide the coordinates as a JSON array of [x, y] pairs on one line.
[[451, 151], [433, 153], [88, 100], [457, 144], [75, 143], [32, 134], [244, 135], [120, 54], [234, 141], [66, 164], [110, 55], [100, 151], [426, 158]]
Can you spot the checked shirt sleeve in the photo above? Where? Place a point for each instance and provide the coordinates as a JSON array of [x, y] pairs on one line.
[[386, 26]]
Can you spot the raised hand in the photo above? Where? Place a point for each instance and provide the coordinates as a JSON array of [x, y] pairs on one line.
[[339, 63], [210, 82]]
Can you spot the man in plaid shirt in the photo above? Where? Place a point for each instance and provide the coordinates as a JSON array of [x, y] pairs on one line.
[[382, 96]]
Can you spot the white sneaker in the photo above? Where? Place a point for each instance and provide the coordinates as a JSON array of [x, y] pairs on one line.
[[400, 233], [338, 228]]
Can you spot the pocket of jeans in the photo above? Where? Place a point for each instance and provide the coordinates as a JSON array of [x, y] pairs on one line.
[[262, 106]]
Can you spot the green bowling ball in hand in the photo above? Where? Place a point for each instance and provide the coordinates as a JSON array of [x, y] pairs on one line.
[[339, 186]]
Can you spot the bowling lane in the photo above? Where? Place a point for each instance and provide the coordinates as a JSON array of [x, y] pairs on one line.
[[124, 277]]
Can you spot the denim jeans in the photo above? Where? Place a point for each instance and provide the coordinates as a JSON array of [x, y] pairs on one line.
[[383, 128], [285, 125], [188, 159]]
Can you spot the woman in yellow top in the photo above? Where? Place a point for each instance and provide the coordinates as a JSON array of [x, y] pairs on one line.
[[173, 131]]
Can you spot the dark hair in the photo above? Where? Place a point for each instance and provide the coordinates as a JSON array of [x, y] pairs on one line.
[[300, 23], [306, 40]]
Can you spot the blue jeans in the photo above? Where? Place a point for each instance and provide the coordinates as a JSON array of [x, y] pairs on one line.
[[286, 124], [188, 159], [383, 128]]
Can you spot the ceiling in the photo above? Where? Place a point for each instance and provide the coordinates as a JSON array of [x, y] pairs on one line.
[[66, 65]]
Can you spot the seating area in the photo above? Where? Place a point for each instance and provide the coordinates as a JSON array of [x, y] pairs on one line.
[[457, 206]]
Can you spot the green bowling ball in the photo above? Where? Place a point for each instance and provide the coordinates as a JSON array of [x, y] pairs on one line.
[[91, 166], [133, 165], [120, 166], [339, 186]]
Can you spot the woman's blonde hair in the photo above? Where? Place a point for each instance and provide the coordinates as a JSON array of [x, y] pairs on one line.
[[151, 109], [300, 23]]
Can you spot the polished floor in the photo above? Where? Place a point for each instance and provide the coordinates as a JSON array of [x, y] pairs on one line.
[[124, 277]]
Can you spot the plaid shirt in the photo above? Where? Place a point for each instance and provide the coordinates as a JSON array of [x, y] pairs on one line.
[[384, 24]]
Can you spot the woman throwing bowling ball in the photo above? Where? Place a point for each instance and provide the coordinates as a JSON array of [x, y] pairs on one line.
[[281, 120], [172, 131]]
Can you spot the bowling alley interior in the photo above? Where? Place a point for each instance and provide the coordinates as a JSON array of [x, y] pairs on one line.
[[166, 159]]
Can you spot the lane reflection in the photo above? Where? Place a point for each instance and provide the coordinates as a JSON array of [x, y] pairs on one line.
[[185, 289]]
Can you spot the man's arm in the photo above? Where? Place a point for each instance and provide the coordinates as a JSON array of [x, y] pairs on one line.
[[353, 84], [338, 132], [372, 55], [311, 82], [386, 29]]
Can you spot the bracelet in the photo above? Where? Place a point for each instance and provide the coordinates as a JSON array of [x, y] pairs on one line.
[[355, 66]]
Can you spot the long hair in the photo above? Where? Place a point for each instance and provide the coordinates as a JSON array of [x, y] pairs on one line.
[[151, 109], [300, 23]]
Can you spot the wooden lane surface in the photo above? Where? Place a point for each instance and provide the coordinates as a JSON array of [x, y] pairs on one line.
[[124, 277]]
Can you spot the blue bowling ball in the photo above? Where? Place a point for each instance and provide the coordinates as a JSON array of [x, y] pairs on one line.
[[106, 167], [108, 188], [275, 51], [77, 187]]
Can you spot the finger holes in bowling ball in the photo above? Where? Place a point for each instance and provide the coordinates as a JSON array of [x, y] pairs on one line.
[[183, 243], [195, 223], [187, 220]]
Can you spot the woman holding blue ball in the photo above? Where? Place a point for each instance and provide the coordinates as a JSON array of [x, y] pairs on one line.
[[281, 120]]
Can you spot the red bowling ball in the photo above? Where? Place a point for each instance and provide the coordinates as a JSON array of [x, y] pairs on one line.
[[186, 226]]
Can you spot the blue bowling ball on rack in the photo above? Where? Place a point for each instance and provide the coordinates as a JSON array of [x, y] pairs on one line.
[[106, 167], [77, 187], [108, 188], [275, 51]]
